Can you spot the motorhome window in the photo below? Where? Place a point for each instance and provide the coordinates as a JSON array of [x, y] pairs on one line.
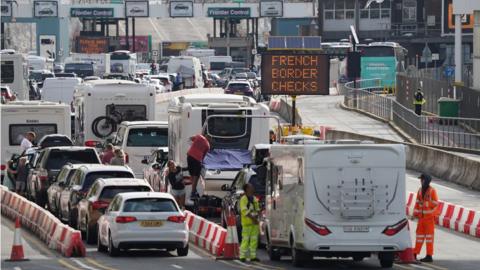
[[8, 72], [116, 68], [119, 56], [217, 65], [147, 137], [227, 126], [58, 158], [17, 131], [72, 67], [125, 112]]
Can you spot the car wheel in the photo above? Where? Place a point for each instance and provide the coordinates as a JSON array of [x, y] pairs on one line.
[[112, 250], [182, 252], [386, 259], [299, 257], [90, 233], [100, 246], [273, 254]]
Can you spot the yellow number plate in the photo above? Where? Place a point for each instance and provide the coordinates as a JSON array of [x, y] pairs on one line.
[[151, 223]]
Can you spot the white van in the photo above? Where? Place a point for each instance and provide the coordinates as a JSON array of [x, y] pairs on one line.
[[39, 63], [59, 89], [189, 68], [139, 139], [101, 105], [336, 200], [20, 117], [187, 115]]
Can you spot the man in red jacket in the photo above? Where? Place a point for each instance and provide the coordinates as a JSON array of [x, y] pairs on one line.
[[195, 155]]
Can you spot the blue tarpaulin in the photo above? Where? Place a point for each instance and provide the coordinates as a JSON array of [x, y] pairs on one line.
[[223, 159]]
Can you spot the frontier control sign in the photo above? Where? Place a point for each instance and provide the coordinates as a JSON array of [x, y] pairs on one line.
[[295, 74]]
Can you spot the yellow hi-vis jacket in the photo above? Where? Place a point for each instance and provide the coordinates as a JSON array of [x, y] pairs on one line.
[[248, 208]]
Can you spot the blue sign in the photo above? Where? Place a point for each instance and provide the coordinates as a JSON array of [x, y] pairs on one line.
[[449, 71]]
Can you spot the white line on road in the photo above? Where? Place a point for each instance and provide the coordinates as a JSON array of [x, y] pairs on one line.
[[81, 264], [177, 266], [421, 267], [17, 268], [156, 29]]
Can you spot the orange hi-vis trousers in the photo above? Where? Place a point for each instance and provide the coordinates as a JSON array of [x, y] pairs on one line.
[[425, 233]]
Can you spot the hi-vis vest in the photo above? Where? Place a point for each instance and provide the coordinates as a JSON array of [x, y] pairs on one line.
[[419, 101], [248, 208], [426, 206]]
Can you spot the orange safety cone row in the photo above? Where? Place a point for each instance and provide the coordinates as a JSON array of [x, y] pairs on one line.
[[17, 248], [231, 248], [406, 257]]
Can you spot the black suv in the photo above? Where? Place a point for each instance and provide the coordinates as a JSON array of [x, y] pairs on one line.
[[50, 161]]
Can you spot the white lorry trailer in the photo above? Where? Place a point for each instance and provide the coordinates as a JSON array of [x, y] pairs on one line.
[[336, 200], [101, 61]]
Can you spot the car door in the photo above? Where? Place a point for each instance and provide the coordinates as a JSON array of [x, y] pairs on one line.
[[54, 190], [65, 195], [107, 220]]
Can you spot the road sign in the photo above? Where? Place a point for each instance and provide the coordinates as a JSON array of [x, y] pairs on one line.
[[254, 51], [295, 73], [435, 56], [449, 71], [426, 55], [155, 53]]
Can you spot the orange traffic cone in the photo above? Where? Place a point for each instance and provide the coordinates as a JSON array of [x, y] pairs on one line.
[[17, 248], [231, 248], [406, 257]]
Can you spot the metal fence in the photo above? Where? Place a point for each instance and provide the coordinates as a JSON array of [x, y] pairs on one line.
[[446, 132]]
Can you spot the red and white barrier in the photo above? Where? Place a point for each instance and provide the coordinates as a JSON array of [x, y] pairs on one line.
[[39, 221], [205, 234], [451, 216]]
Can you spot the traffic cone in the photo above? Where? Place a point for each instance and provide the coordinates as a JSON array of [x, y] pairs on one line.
[[406, 257], [17, 248], [231, 248]]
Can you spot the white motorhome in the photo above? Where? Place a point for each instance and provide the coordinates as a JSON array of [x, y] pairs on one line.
[[336, 200], [101, 61], [20, 117], [39, 63], [15, 73], [123, 63], [187, 116], [60, 89], [100, 105], [189, 68]]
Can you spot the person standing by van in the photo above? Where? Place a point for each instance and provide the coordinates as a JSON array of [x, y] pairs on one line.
[[175, 179], [195, 155], [425, 210], [27, 141], [249, 211]]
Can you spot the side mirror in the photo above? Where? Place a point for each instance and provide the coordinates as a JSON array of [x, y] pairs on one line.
[[144, 161], [225, 187]]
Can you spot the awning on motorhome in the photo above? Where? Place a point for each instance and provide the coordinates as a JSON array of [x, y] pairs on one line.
[[185, 71], [223, 159]]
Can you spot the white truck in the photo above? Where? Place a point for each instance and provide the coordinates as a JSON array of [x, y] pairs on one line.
[[336, 200], [101, 105], [186, 118], [60, 89], [189, 68], [123, 63], [101, 61], [20, 117], [14, 73]]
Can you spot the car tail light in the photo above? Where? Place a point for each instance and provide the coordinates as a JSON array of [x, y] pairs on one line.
[[91, 143], [394, 229], [99, 205], [176, 219], [43, 175], [122, 219], [3, 167], [127, 159], [320, 229]]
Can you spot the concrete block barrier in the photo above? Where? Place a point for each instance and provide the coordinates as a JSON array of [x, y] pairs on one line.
[[205, 234], [284, 109], [451, 216], [42, 223]]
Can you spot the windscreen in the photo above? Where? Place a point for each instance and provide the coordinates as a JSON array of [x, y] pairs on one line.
[[91, 177], [16, 132], [58, 158], [377, 51], [238, 87], [147, 137], [8, 72], [149, 205], [228, 132], [109, 192]]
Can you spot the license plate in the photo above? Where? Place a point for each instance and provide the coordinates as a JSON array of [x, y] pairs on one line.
[[356, 229], [151, 223], [238, 93]]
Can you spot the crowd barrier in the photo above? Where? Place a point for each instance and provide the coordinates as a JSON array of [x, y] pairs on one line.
[[206, 234], [42, 223], [451, 216]]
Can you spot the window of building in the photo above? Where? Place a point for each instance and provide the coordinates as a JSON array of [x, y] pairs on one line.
[[409, 12], [349, 14], [375, 11], [339, 9], [364, 14], [375, 14]]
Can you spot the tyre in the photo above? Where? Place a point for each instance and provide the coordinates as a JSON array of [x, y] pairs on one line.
[[100, 247], [182, 252], [91, 233], [273, 254], [299, 257], [112, 250], [386, 259], [357, 258], [103, 126]]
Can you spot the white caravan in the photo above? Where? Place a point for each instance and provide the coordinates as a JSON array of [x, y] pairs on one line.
[[189, 68], [14, 73], [139, 139], [123, 63], [20, 117], [60, 89], [336, 200], [187, 115], [101, 61], [100, 105]]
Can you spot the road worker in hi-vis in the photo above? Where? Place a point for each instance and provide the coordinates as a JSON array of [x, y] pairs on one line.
[[249, 211]]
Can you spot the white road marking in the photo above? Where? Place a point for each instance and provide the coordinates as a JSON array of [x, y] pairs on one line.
[[81, 264], [241, 263], [177, 266], [156, 29], [17, 268], [420, 266], [91, 249]]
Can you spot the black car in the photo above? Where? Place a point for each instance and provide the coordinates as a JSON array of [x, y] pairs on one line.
[[49, 163]]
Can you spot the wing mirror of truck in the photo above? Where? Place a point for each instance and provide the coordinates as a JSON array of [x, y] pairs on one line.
[[226, 187]]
